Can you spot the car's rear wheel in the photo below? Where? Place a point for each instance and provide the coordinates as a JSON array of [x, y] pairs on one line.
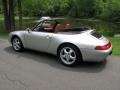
[[17, 44], [69, 55]]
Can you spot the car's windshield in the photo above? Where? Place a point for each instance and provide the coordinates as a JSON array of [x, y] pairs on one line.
[[46, 25]]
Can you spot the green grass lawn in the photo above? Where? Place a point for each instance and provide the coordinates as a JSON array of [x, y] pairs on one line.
[[116, 45], [4, 34], [1, 15]]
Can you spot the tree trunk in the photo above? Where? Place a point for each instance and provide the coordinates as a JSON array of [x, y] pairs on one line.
[[20, 14], [8, 9], [6, 15], [11, 14]]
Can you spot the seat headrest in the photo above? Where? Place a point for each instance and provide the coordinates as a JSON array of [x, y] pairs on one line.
[[67, 26], [58, 27]]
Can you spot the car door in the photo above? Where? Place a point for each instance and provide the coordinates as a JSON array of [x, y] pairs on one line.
[[38, 40]]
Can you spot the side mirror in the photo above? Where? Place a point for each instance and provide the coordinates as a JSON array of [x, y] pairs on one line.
[[28, 29]]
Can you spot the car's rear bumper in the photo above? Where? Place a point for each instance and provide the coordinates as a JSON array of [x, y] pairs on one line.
[[95, 55]]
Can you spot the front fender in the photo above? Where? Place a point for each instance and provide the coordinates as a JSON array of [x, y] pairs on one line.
[[19, 34]]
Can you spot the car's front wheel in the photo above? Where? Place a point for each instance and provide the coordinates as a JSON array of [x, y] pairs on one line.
[[69, 55], [17, 44]]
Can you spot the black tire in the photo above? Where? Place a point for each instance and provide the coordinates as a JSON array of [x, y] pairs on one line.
[[18, 48], [76, 51]]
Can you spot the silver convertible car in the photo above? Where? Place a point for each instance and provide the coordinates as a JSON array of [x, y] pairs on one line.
[[71, 45]]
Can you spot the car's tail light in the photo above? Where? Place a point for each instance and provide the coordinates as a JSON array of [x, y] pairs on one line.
[[105, 47]]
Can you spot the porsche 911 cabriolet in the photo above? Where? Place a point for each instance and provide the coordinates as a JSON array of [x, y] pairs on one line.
[[70, 44]]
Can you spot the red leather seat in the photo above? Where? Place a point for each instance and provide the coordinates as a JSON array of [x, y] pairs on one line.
[[67, 26], [58, 28]]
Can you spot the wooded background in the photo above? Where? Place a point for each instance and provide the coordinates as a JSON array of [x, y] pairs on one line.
[[103, 9]]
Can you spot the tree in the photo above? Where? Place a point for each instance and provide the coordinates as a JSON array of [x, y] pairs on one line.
[[8, 9], [0, 6], [11, 14], [20, 13], [6, 14]]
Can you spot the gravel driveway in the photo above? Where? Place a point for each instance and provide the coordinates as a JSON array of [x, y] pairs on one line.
[[32, 70]]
